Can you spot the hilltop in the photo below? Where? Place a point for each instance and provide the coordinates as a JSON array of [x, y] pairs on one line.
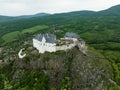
[[99, 70], [71, 70]]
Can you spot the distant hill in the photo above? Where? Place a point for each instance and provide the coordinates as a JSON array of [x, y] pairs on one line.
[[113, 11], [10, 18], [5, 18], [99, 70], [11, 24], [35, 15]]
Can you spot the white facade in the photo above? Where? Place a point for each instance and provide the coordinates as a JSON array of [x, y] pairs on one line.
[[43, 46], [74, 39], [65, 47], [47, 42]]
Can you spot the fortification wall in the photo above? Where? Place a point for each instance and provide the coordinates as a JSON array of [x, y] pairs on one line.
[[65, 47], [42, 47]]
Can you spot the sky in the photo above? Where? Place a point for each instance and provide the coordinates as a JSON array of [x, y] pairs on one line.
[[29, 7]]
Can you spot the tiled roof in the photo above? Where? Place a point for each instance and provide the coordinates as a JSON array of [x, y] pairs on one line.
[[72, 35], [50, 38]]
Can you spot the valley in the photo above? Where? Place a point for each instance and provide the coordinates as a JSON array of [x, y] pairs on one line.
[[62, 70]]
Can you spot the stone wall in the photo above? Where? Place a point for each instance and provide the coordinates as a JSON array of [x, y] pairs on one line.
[[65, 47], [42, 47]]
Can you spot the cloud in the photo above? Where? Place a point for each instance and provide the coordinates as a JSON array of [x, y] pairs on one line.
[[24, 7], [12, 8]]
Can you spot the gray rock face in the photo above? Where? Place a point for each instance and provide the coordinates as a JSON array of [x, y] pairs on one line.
[[88, 76], [86, 72], [82, 47]]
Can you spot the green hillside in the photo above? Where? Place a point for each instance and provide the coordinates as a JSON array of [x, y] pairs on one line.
[[9, 37], [100, 70]]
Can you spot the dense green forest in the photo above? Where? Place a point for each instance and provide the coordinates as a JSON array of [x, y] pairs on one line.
[[100, 30]]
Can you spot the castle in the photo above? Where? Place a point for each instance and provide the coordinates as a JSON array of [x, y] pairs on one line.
[[47, 42]]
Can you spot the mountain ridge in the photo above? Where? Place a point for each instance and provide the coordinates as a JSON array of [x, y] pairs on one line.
[[114, 10], [81, 11], [70, 70], [10, 18]]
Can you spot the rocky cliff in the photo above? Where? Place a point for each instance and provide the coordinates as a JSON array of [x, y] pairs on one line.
[[64, 70]]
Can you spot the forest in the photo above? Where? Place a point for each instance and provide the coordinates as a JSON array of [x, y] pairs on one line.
[[100, 30]]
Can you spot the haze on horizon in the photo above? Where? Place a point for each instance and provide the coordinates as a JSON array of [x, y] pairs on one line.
[[28, 7]]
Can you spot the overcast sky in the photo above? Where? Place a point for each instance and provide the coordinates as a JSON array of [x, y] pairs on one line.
[[27, 7]]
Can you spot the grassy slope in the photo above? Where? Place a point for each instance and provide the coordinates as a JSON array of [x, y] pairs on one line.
[[13, 35], [34, 29], [102, 32], [10, 36]]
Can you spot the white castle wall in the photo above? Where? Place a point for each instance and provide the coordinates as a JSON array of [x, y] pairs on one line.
[[42, 47], [73, 39], [65, 47]]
